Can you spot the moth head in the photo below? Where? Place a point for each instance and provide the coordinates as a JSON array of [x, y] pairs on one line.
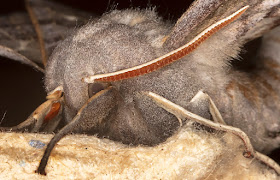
[[118, 40]]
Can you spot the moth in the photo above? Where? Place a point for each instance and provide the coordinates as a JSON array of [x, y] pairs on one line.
[[86, 89]]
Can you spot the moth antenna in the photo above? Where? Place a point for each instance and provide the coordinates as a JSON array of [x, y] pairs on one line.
[[169, 57]]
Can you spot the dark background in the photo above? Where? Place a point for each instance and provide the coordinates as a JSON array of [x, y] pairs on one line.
[[166, 8], [22, 88]]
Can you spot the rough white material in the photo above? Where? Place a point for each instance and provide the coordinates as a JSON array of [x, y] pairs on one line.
[[189, 154]]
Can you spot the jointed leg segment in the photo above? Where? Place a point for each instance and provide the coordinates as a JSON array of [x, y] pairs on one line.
[[40, 115], [64, 131], [180, 112]]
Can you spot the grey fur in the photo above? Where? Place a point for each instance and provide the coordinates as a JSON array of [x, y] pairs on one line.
[[122, 39]]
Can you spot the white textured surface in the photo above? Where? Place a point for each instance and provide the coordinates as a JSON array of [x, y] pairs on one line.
[[187, 155]]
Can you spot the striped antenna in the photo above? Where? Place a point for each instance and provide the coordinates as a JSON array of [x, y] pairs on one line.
[[167, 58]]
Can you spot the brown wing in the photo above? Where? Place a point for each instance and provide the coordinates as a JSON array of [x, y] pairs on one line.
[[203, 13]]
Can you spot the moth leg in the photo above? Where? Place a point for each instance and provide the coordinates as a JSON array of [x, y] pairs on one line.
[[53, 115], [268, 161], [65, 130], [183, 113], [180, 121], [35, 118], [53, 123], [217, 117], [50, 118], [43, 113]]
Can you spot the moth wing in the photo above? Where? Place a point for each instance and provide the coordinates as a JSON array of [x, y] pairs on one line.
[[259, 18]]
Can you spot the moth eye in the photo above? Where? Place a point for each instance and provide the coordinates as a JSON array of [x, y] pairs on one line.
[[94, 88]]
